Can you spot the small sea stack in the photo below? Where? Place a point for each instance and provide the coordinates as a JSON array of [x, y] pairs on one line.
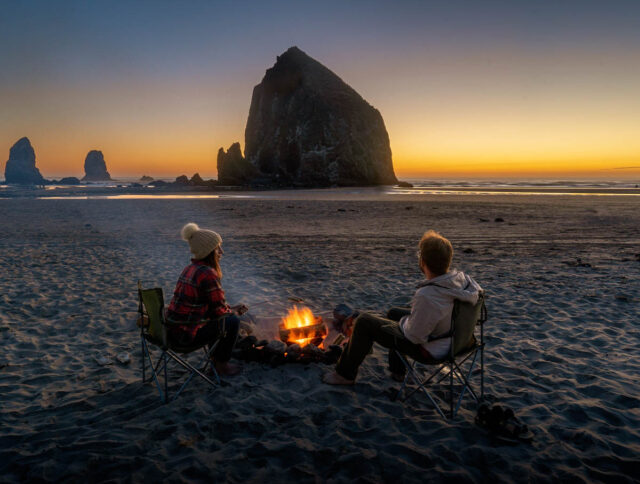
[[95, 168], [21, 165]]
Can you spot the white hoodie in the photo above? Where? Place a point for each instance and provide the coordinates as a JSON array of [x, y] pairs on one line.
[[432, 307]]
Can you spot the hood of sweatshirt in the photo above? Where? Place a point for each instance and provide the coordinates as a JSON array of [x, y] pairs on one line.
[[456, 284]]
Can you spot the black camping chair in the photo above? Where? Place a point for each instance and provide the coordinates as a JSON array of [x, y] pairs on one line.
[[466, 318], [153, 331]]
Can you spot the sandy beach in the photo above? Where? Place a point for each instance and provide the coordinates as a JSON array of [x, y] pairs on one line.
[[562, 279]]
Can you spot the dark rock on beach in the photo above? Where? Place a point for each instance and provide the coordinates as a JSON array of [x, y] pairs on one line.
[[404, 184], [69, 180], [21, 165], [307, 127], [95, 168], [233, 168], [196, 180]]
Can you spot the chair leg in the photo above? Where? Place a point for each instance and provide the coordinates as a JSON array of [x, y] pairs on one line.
[[144, 364], [411, 372], [451, 390], [153, 369], [161, 365], [465, 383], [166, 381], [454, 371], [482, 372], [190, 368]]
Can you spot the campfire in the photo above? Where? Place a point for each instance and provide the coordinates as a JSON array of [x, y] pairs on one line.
[[302, 327], [301, 341]]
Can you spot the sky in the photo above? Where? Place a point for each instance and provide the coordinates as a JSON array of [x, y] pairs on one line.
[[466, 88]]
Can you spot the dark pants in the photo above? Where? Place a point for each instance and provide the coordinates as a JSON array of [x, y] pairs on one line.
[[210, 333], [369, 329]]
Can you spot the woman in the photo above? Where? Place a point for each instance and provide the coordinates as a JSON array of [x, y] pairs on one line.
[[199, 298]]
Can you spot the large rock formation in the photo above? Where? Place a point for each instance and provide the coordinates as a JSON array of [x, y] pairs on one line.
[[95, 168], [233, 168], [21, 165], [307, 127]]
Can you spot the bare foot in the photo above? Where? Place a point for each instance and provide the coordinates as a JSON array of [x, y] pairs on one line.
[[227, 369], [334, 378]]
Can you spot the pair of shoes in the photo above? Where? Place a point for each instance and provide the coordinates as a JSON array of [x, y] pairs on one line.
[[227, 369], [334, 378], [502, 423]]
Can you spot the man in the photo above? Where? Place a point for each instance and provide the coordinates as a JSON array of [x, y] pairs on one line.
[[421, 332]]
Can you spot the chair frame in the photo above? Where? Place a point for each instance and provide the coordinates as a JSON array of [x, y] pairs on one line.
[[169, 352], [452, 366]]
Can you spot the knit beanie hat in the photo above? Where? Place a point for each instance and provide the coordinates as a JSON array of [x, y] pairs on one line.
[[201, 241]]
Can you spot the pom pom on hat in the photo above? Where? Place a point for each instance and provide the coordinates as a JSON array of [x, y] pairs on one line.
[[188, 231], [201, 241]]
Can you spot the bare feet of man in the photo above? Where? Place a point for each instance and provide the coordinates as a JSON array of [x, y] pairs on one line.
[[334, 378]]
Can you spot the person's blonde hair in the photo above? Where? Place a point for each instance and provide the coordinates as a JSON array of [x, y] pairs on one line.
[[436, 252]]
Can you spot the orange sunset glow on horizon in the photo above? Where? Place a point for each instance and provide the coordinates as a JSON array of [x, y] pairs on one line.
[[474, 92]]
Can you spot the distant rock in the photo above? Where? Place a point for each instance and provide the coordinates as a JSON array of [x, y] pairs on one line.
[[233, 168], [145, 179], [182, 180], [21, 165], [307, 127], [197, 180], [69, 180], [95, 168], [404, 184]]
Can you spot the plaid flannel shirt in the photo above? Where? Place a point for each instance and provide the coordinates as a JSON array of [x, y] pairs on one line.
[[198, 296]]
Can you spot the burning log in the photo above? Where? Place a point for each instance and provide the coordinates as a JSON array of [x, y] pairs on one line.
[[302, 327], [314, 333]]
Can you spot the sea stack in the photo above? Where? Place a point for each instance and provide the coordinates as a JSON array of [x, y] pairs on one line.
[[21, 165], [233, 168], [95, 168], [307, 127]]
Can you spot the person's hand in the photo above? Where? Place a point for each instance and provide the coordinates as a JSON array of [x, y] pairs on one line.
[[239, 309]]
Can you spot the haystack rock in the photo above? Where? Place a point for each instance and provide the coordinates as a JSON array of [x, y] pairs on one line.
[[95, 168], [21, 165], [307, 127]]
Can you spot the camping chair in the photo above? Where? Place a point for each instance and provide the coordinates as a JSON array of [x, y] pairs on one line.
[[153, 331], [465, 318]]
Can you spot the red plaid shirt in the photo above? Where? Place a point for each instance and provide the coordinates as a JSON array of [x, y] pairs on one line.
[[198, 296]]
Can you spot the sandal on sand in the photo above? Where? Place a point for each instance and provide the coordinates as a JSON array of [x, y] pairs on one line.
[[334, 378], [502, 424]]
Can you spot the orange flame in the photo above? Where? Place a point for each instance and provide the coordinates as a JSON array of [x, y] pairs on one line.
[[299, 318]]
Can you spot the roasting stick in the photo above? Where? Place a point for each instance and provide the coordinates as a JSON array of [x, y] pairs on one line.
[[293, 299]]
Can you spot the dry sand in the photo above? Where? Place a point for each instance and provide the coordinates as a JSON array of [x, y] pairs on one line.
[[563, 340]]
